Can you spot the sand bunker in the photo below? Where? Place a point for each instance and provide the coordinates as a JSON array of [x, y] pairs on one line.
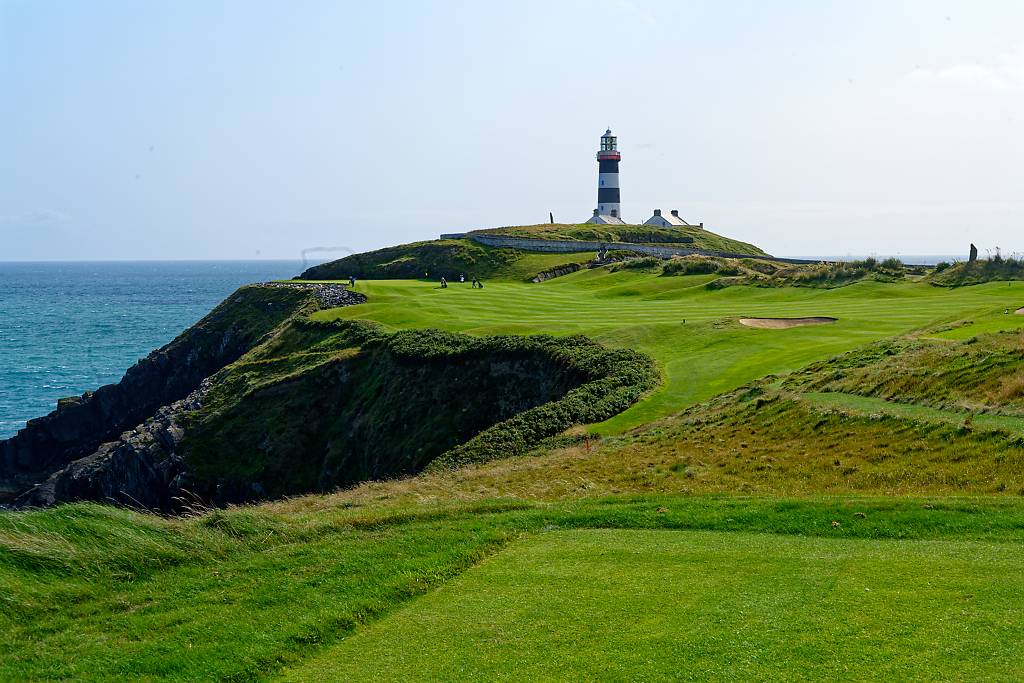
[[784, 323]]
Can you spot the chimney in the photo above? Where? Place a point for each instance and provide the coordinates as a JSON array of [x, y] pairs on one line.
[[595, 212], [675, 212], [657, 212], [702, 225]]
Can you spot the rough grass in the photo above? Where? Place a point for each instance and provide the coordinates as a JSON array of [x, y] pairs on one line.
[[976, 272], [985, 373]]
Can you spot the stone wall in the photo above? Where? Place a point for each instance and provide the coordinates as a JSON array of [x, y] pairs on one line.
[[570, 246]]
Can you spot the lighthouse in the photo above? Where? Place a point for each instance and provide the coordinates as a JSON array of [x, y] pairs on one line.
[[608, 208]]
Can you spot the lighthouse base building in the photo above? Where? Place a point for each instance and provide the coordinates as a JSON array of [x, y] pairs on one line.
[[607, 220]]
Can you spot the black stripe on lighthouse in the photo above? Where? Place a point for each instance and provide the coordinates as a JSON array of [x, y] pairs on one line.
[[607, 166], [608, 195]]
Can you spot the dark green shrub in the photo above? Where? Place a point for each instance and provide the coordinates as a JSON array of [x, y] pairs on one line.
[[637, 263]]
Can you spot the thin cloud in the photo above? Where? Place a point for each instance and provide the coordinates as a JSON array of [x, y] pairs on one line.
[[641, 12], [1006, 73], [36, 218]]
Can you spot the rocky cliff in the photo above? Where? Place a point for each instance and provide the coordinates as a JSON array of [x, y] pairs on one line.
[[258, 400], [81, 424]]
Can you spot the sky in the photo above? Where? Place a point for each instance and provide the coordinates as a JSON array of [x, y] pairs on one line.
[[239, 130]]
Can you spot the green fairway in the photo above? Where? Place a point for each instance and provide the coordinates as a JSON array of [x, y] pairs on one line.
[[689, 329], [868, 405], [671, 605]]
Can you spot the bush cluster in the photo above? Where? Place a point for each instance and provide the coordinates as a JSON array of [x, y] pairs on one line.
[[434, 259], [997, 268], [640, 263], [614, 380], [700, 266]]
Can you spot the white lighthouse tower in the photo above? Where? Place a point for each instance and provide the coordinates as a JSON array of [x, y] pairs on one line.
[[608, 207]]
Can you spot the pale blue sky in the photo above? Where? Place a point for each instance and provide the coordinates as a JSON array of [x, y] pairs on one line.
[[242, 129]]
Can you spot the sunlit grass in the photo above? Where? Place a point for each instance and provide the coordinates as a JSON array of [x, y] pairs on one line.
[[689, 329]]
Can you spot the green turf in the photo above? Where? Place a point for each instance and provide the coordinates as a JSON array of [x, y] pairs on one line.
[[528, 264], [869, 405], [706, 355], [995, 321], [688, 237], [95, 593], [664, 605]]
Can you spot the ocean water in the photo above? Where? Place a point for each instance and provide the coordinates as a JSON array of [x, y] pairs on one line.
[[70, 327]]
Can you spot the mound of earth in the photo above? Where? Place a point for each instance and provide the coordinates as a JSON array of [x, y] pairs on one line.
[[785, 323]]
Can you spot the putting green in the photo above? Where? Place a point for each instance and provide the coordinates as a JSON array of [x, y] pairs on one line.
[[680, 605], [691, 330]]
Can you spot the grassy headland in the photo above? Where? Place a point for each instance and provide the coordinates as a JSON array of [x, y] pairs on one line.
[[690, 237], [435, 259]]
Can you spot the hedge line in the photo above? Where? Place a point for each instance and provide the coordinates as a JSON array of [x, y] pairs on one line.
[[612, 380]]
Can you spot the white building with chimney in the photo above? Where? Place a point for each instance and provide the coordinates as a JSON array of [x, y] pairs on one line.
[[670, 221]]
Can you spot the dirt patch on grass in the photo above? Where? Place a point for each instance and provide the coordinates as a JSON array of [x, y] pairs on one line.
[[1020, 311], [785, 323]]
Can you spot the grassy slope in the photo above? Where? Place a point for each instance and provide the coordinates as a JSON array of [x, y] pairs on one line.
[[671, 605], [982, 270], [308, 410], [983, 374], [687, 236], [709, 354], [447, 258], [102, 594]]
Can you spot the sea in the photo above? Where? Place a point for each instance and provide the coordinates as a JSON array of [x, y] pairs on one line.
[[69, 327]]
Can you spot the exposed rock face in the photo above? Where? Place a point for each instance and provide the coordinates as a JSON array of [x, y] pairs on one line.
[[558, 271], [328, 294], [333, 425], [79, 425], [143, 468]]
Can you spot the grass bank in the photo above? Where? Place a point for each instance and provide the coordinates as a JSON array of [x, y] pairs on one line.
[[104, 594]]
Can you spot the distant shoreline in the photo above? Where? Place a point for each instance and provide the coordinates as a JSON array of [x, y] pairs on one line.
[[920, 259]]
